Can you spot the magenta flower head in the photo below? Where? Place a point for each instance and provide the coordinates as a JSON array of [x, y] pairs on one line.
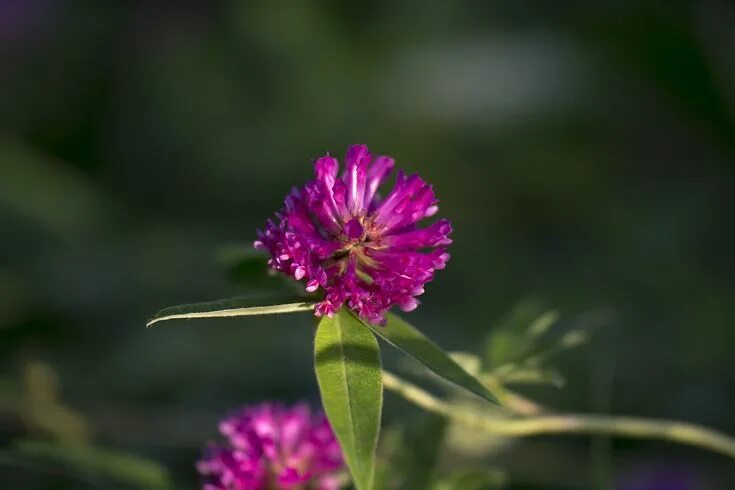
[[337, 233], [273, 447]]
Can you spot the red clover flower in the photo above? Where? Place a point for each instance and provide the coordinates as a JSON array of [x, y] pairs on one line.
[[273, 447], [338, 234]]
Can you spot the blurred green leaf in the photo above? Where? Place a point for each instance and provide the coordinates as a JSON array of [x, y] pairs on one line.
[[422, 442], [524, 342], [527, 375], [390, 446], [543, 323], [408, 339], [539, 354], [42, 409], [469, 362], [516, 332], [348, 370], [569, 340], [232, 307], [473, 480], [95, 462]]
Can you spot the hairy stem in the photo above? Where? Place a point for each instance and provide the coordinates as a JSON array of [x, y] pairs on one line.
[[668, 430]]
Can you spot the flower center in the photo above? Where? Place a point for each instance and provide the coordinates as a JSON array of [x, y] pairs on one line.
[[354, 239], [354, 230]]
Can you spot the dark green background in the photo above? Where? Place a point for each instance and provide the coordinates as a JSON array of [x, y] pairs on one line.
[[584, 152]]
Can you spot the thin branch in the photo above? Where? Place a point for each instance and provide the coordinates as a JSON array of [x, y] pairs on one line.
[[636, 427]]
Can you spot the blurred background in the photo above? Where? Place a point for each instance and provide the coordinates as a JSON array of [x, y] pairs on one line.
[[584, 152]]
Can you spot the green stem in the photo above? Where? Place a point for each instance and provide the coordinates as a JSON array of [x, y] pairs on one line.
[[668, 430]]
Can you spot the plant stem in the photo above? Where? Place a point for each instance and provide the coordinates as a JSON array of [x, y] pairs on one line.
[[636, 427], [512, 401]]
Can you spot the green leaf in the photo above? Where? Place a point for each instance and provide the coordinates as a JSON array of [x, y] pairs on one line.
[[232, 307], [409, 340], [348, 370], [94, 462]]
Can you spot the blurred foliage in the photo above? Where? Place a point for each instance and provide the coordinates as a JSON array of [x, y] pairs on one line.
[[473, 480], [584, 153], [103, 467], [520, 346], [67, 452], [407, 455]]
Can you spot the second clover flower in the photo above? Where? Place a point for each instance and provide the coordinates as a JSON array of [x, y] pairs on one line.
[[338, 234], [273, 447]]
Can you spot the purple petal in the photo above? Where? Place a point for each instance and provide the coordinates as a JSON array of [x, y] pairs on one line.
[[437, 234], [356, 161], [378, 171]]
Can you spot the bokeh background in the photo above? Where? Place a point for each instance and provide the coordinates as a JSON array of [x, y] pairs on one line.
[[584, 151]]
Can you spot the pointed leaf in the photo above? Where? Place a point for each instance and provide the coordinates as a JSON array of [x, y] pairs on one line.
[[348, 370], [409, 340], [233, 307]]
